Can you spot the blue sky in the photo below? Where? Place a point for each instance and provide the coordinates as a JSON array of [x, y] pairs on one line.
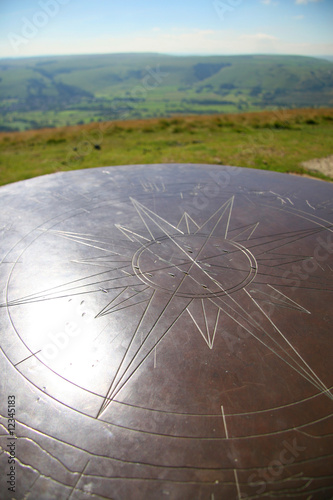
[[53, 27]]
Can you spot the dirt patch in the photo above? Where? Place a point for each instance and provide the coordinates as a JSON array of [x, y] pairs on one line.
[[306, 175], [323, 165]]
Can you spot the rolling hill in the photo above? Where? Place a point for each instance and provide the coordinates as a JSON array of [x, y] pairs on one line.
[[68, 90]]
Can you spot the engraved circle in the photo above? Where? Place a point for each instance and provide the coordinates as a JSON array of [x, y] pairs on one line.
[[195, 265]]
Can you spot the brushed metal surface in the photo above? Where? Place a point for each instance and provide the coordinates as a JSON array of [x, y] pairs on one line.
[[166, 332]]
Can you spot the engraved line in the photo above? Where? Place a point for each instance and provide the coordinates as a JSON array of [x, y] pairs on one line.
[[237, 484], [290, 234], [121, 308], [156, 479], [198, 327], [125, 354], [192, 220], [187, 225], [53, 480], [214, 415], [288, 242], [293, 348], [229, 218], [78, 480], [77, 237], [216, 323], [136, 208], [88, 245], [147, 212], [293, 287], [124, 230], [44, 450], [155, 322], [298, 305], [256, 324], [313, 436], [51, 291], [206, 323], [307, 376], [146, 356], [115, 298], [108, 308], [255, 227], [302, 372], [225, 207], [28, 357], [224, 423], [244, 229], [276, 300], [163, 466]]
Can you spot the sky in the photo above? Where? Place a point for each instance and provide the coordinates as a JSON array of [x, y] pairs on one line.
[[203, 27]]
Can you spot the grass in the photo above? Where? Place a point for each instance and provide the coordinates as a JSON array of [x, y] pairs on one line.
[[270, 140]]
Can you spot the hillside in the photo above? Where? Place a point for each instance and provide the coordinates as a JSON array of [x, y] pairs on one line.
[[67, 90], [270, 140]]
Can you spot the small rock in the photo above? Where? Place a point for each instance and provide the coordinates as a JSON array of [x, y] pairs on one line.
[[323, 165]]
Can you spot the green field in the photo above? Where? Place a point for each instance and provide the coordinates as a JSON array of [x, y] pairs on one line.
[[69, 90], [273, 140]]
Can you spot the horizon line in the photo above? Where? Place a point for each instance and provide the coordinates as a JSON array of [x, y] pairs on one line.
[[185, 54]]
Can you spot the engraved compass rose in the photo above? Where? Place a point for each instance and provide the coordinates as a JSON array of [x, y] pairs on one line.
[[210, 272], [166, 330]]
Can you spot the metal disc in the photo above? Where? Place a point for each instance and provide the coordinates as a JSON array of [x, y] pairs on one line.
[[166, 333]]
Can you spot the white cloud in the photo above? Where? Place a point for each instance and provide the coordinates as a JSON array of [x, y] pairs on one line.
[[269, 2], [217, 42], [305, 2], [299, 17], [260, 36]]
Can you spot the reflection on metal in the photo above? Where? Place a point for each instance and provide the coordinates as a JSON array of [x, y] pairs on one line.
[[166, 333]]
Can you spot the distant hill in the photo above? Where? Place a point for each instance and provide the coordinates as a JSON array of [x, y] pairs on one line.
[[327, 58], [67, 90]]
